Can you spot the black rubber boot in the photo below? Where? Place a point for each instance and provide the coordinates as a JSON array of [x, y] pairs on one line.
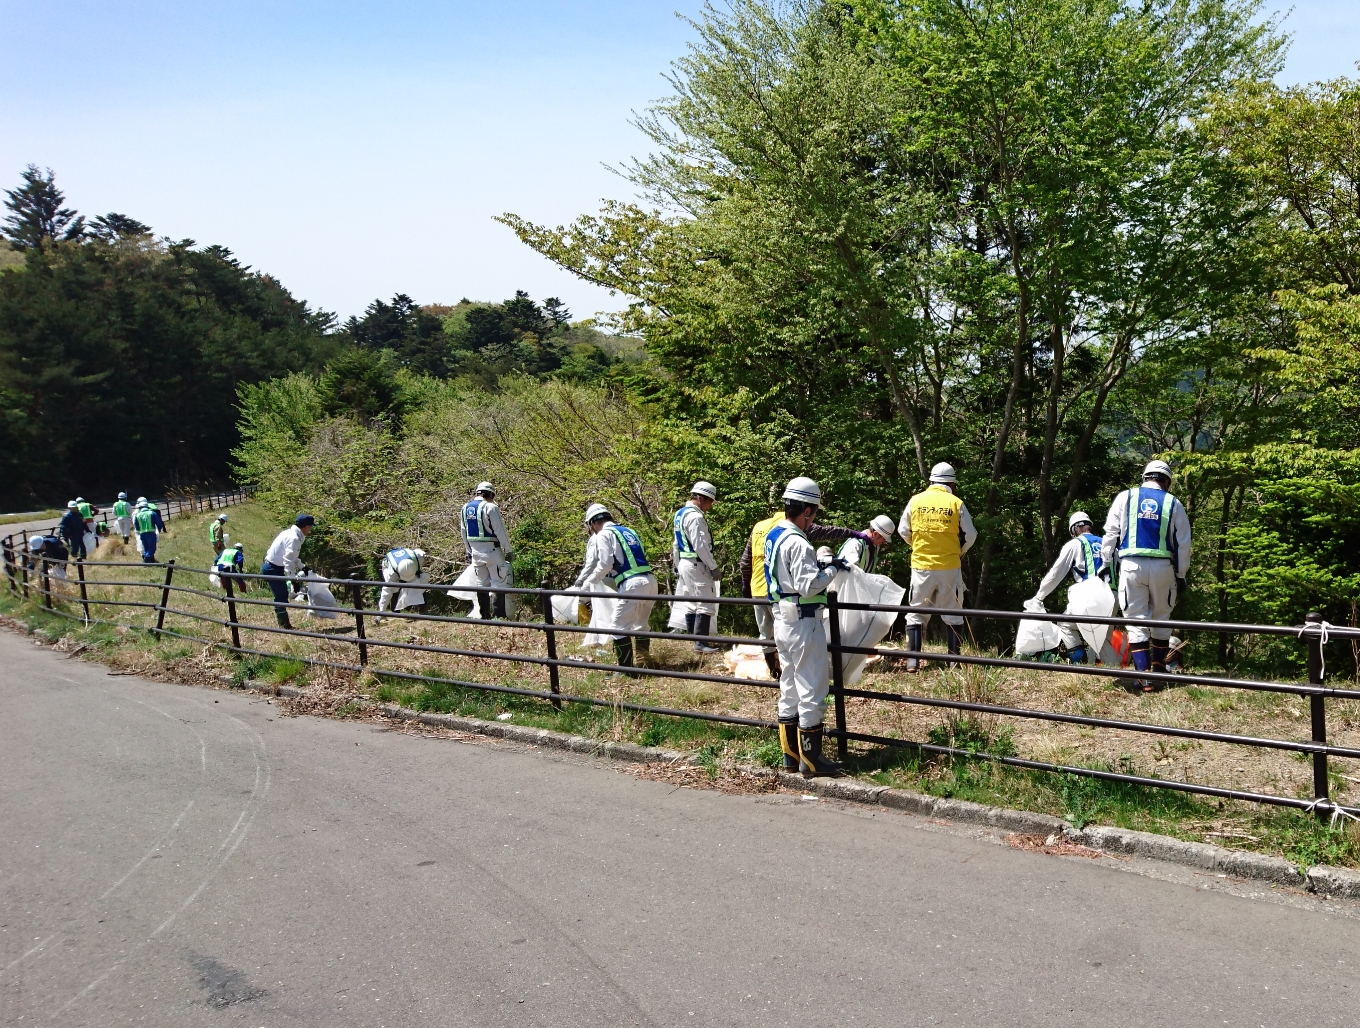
[[913, 643], [281, 615], [955, 642], [623, 655], [772, 662], [689, 624], [788, 742], [810, 760], [643, 645], [703, 625], [500, 607], [484, 609], [1159, 648]]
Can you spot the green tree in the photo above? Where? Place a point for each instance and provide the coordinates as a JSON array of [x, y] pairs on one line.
[[36, 211]]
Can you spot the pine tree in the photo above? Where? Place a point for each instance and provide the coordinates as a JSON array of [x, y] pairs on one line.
[[37, 211]]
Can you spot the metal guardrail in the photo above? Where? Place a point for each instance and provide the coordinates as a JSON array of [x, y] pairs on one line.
[[24, 575]]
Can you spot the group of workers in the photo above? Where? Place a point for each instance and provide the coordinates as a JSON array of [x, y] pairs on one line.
[[1146, 537], [77, 534]]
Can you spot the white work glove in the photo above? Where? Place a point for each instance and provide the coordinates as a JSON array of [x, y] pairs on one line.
[[1035, 605], [824, 555]]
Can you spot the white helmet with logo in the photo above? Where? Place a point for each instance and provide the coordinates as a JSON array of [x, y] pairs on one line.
[[706, 489], [1158, 467], [485, 487], [1080, 517], [943, 473], [884, 526], [596, 510], [407, 569], [804, 490]]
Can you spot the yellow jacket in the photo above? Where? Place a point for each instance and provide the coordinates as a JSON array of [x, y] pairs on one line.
[[939, 529], [758, 534]]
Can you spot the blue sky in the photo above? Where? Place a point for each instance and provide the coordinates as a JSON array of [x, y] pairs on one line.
[[357, 150]]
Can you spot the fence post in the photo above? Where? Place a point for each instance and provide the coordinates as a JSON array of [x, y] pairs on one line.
[[165, 598], [9, 567], [546, 604], [837, 674], [1316, 673], [23, 570], [231, 612], [84, 597], [357, 594], [46, 584]]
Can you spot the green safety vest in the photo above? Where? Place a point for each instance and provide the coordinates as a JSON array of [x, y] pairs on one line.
[[86, 511], [121, 509], [142, 520], [226, 560], [772, 568], [215, 531]]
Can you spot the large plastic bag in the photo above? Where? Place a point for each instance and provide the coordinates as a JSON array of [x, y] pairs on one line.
[[1035, 636], [748, 661], [863, 627], [681, 608], [566, 610], [465, 589], [316, 596], [1092, 598], [601, 613]]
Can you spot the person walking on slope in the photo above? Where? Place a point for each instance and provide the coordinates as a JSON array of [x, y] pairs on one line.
[[72, 529], [864, 550], [122, 517], [402, 567], [217, 533], [488, 548], [614, 553], [796, 584], [282, 561], [147, 521], [940, 530], [1081, 558], [230, 563], [751, 569], [1148, 530], [692, 554]]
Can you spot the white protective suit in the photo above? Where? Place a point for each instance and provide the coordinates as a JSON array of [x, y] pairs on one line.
[[798, 633], [696, 577], [1071, 560], [605, 559], [938, 588], [490, 560], [1147, 585], [403, 593]]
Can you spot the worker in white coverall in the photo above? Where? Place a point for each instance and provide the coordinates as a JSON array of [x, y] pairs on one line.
[[488, 548], [796, 583], [1148, 530], [940, 530], [402, 567], [122, 516], [1080, 557], [614, 553], [695, 565], [864, 552]]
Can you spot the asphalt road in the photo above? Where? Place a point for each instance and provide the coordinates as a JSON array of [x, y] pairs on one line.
[[175, 856]]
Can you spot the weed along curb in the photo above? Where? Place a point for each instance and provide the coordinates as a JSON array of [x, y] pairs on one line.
[[1322, 880]]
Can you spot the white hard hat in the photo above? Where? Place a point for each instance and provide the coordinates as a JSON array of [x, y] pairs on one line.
[[406, 569], [596, 510], [1157, 467], [485, 487], [883, 525], [36, 543], [702, 488], [71, 504], [80, 499], [122, 496], [1077, 518], [804, 490], [943, 473], [221, 517], [141, 499]]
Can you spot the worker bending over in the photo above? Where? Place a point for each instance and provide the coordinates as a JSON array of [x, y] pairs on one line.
[[488, 549], [230, 564], [283, 561], [940, 530], [752, 569], [614, 553], [796, 584], [402, 567], [695, 565], [1149, 531], [48, 550], [863, 551], [1081, 558]]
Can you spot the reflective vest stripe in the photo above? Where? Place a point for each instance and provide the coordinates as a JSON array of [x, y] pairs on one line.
[[395, 557], [1147, 536], [772, 566], [1091, 558], [682, 543], [759, 584], [634, 556], [228, 559], [475, 528], [121, 509], [86, 511]]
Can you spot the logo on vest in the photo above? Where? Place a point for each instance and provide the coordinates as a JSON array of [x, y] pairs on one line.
[[1147, 508]]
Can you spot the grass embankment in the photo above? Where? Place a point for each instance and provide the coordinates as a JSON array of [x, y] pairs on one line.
[[1081, 801], [20, 519]]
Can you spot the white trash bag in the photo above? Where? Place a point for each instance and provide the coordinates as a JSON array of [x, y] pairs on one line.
[[316, 596], [601, 615], [465, 589], [566, 610], [748, 662], [1036, 636], [1092, 598], [863, 627]]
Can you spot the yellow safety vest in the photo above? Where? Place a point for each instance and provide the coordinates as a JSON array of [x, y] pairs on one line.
[[935, 544], [758, 534]]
